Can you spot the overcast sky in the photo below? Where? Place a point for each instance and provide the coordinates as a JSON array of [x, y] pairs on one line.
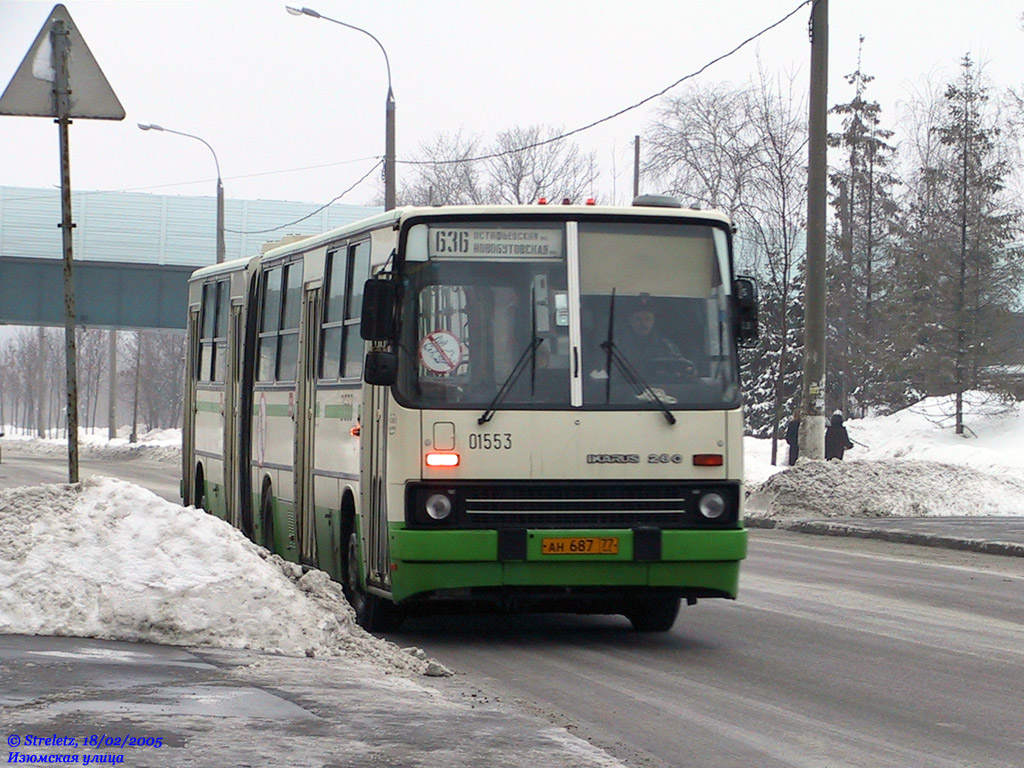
[[294, 106]]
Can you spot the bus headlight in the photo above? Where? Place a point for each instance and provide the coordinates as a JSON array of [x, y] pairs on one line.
[[711, 505], [438, 506]]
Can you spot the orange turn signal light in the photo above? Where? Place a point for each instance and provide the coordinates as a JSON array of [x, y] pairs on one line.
[[708, 460], [442, 459]]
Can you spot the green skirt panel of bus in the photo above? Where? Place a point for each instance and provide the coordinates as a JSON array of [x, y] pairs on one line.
[[698, 563]]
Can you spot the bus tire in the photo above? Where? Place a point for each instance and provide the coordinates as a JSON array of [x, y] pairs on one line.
[[267, 516], [373, 613], [656, 614]]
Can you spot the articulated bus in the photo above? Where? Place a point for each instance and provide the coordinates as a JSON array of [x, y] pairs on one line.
[[482, 408]]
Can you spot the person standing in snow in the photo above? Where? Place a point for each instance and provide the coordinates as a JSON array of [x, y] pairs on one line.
[[837, 439], [793, 437]]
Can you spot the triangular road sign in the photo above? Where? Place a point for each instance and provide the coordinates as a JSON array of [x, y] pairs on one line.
[[31, 90]]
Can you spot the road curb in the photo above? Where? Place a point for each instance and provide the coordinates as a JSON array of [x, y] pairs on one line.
[[831, 528]]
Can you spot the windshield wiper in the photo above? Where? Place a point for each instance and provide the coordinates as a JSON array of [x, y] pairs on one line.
[[529, 354], [629, 372], [634, 379]]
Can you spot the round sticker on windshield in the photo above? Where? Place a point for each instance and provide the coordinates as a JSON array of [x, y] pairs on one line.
[[440, 352]]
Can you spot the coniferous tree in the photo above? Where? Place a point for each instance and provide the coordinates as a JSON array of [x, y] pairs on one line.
[[960, 272], [863, 242]]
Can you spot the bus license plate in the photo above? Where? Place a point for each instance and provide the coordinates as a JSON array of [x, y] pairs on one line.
[[580, 545]]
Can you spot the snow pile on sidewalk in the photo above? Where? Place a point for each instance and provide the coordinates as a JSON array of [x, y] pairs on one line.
[[878, 489], [108, 559], [911, 463]]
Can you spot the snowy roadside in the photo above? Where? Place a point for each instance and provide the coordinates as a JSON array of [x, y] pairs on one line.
[[107, 559], [909, 464], [163, 445]]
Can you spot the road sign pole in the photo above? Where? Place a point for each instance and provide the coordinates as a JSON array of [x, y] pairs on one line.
[[59, 36]]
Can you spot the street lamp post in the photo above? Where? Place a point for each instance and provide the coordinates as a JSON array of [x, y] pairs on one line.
[[220, 186], [389, 105]]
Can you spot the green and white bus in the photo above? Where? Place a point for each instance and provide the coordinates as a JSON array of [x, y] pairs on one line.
[[482, 408]]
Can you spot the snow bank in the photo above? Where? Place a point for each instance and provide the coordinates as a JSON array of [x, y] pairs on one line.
[[108, 559], [880, 489], [911, 463], [163, 445]]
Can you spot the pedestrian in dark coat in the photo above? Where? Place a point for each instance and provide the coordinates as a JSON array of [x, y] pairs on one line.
[[793, 437], [837, 439]]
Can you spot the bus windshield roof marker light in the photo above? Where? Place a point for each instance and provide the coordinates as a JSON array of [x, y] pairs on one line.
[[442, 459]]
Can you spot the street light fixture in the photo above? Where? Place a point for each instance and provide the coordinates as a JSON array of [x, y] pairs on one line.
[[220, 186], [389, 107]]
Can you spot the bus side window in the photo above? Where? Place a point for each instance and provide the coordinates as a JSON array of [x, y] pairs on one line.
[[213, 333], [206, 322], [270, 319], [352, 343], [333, 316], [220, 340], [291, 306]]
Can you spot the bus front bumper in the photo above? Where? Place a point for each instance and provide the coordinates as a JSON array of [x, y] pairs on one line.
[[697, 563]]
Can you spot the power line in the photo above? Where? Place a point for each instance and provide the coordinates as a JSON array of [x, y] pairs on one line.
[[77, 193], [612, 116], [490, 156], [376, 165]]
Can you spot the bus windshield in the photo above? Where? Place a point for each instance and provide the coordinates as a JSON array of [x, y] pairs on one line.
[[636, 312]]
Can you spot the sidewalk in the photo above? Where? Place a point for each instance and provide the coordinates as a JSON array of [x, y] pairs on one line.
[[201, 708]]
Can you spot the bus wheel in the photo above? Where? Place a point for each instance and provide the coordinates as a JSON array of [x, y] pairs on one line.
[[373, 613], [267, 518], [655, 614]]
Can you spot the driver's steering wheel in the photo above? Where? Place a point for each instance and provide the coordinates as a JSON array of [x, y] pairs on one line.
[[674, 368]]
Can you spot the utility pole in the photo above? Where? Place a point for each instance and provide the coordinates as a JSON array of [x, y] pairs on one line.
[[51, 82], [636, 167], [62, 92], [812, 421]]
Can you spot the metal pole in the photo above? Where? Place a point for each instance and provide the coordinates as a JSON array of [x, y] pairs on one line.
[[389, 152], [134, 437], [636, 166], [59, 40], [220, 220], [112, 389], [812, 421], [389, 117], [220, 186]]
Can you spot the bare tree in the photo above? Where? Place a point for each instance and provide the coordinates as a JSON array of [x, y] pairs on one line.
[[742, 150], [527, 165], [444, 173], [702, 146]]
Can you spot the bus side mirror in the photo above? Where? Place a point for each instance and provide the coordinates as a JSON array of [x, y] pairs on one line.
[[745, 291], [380, 368], [378, 318]]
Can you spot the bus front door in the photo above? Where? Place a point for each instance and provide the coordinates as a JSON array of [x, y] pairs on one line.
[[375, 534]]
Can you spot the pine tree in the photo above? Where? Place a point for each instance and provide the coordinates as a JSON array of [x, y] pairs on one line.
[[960, 273], [862, 244]]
